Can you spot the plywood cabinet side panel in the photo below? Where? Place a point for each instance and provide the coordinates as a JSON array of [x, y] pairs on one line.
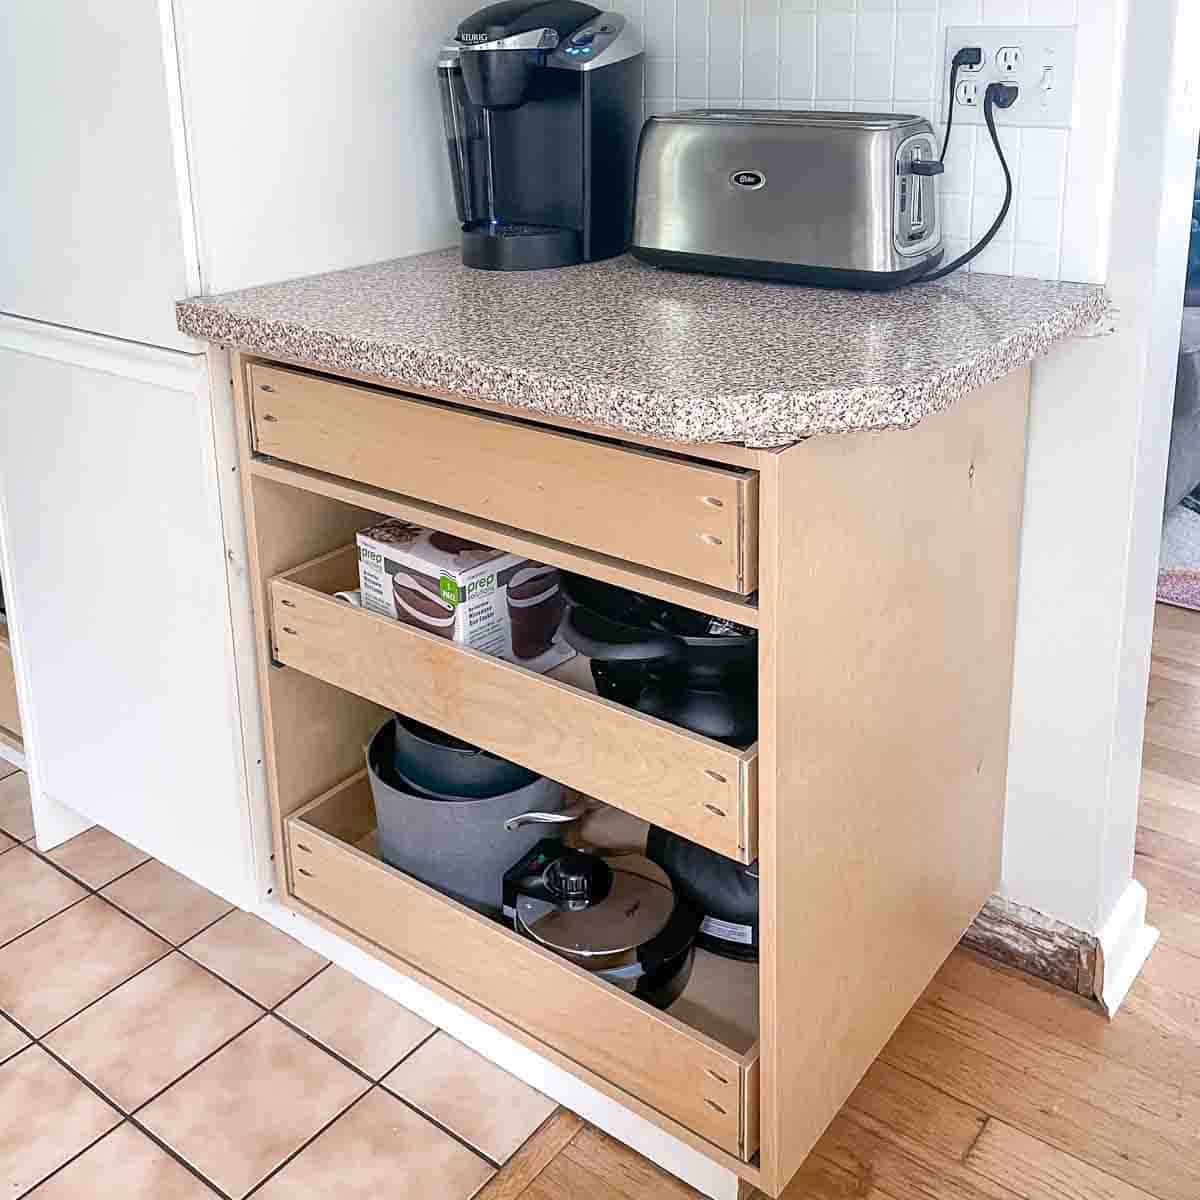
[[10, 715], [888, 604], [314, 734]]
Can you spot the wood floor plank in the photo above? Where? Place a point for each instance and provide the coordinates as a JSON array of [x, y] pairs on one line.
[[875, 1155], [820, 1179], [1037, 1171], [1172, 820], [1184, 738], [915, 1109], [1165, 848], [1150, 1032], [1120, 1088], [1177, 686], [1166, 789], [632, 1176], [1182, 767], [1052, 1114], [528, 1163], [1174, 905]]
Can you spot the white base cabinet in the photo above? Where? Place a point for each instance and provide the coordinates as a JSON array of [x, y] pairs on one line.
[[118, 590]]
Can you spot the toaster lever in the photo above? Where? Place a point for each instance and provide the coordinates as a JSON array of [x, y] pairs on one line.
[[928, 166]]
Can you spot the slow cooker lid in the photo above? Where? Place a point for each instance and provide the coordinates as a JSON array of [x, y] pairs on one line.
[[635, 910]]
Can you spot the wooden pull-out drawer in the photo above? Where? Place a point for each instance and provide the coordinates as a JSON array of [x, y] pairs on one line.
[[697, 520], [10, 716], [704, 1080], [699, 788]]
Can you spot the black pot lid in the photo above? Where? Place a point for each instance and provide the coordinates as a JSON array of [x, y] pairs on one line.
[[635, 910]]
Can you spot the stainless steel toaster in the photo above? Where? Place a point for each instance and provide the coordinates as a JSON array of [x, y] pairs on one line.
[[837, 198]]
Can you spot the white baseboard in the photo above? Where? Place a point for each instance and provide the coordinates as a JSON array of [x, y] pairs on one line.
[[619, 1122], [1125, 944]]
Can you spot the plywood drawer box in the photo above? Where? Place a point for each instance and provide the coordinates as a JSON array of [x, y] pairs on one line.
[[697, 787], [698, 520], [10, 716], [671, 1064]]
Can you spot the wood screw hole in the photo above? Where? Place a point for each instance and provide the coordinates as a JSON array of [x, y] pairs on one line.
[[709, 1071], [714, 502], [712, 808], [306, 874], [711, 539], [716, 777], [289, 629], [714, 1105], [288, 603], [266, 387], [269, 417], [302, 846]]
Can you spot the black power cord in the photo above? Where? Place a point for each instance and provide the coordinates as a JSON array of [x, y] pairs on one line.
[[998, 95], [968, 56]]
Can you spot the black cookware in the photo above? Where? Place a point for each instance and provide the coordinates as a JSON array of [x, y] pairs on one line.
[[724, 891], [442, 765], [694, 670], [615, 915]]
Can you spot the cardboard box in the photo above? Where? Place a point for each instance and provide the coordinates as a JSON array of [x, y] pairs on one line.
[[495, 602]]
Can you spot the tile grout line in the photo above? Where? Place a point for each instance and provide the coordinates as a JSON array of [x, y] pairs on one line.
[[130, 1116]]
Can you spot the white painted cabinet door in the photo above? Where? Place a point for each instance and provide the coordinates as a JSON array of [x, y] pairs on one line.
[[117, 562], [96, 229]]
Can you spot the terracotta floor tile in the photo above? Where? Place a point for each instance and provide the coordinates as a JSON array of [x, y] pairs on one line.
[[380, 1148], [16, 812], [255, 957], [171, 904], [144, 1035], [484, 1105], [362, 1025], [31, 891], [50, 973], [240, 1114], [11, 1039], [97, 857], [7, 843], [47, 1117], [7, 769], [123, 1165]]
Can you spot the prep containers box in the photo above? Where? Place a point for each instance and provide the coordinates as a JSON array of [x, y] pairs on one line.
[[492, 601]]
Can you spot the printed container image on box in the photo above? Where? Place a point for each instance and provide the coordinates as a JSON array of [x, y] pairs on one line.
[[492, 601]]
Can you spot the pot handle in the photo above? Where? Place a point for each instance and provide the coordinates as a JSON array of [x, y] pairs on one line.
[[545, 818], [597, 637]]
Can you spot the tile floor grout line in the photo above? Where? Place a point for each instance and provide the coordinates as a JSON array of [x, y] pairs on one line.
[[124, 875], [308, 1142], [162, 1091], [45, 921], [203, 928], [487, 1158], [77, 1155], [170, 1150], [105, 995]]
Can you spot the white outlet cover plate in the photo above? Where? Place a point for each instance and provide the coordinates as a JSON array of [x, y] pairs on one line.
[[1042, 49]]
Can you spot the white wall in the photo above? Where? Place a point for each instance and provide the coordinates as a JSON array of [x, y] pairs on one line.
[[314, 133], [1098, 449], [887, 55]]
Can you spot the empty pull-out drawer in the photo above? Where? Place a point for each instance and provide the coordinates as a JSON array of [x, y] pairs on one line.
[[10, 717], [695, 519]]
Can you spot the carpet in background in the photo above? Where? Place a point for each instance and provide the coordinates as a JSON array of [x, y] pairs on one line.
[[1179, 566]]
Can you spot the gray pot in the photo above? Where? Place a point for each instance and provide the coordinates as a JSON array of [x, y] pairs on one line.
[[461, 846], [445, 766]]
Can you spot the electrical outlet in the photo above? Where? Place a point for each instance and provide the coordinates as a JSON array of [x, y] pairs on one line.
[[967, 94], [1040, 62]]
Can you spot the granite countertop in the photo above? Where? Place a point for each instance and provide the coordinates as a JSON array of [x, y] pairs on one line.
[[688, 358]]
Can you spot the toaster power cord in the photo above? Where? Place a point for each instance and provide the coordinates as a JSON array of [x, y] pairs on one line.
[[998, 95]]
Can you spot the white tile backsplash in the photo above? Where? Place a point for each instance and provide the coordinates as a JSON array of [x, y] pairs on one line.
[[864, 55]]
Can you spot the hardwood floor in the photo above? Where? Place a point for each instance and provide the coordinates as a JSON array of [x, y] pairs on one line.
[[997, 1087]]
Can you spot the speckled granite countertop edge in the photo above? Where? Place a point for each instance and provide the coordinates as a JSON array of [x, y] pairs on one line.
[[760, 420]]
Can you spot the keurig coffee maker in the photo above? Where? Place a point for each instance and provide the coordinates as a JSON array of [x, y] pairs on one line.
[[542, 101]]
